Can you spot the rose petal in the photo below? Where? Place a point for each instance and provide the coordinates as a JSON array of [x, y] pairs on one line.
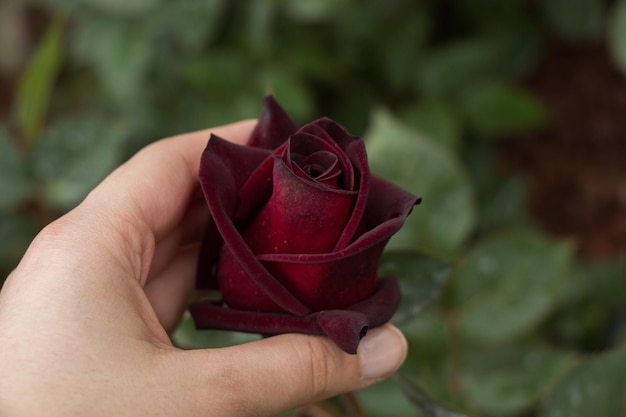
[[207, 253], [358, 156], [344, 327], [220, 177], [305, 143], [300, 217], [257, 189], [332, 282], [274, 126], [245, 160], [318, 224], [382, 304], [335, 131], [383, 217], [209, 315], [387, 205], [321, 167], [235, 163]]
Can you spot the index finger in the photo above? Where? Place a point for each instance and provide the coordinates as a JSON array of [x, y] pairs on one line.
[[151, 192]]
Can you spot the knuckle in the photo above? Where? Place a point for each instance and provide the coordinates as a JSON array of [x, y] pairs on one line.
[[321, 363]]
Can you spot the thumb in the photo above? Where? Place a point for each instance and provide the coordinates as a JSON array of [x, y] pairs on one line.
[[270, 376]]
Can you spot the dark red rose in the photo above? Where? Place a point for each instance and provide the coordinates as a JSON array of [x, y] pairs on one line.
[[299, 225]]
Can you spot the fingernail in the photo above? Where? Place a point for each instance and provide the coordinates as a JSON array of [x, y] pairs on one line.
[[382, 351]]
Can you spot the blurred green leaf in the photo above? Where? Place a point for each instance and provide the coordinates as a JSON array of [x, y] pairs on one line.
[[508, 283], [437, 119], [598, 281], [577, 20], [427, 337], [421, 278], [454, 66], [34, 89], [507, 381], [189, 23], [74, 155], [411, 160], [123, 7], [506, 206], [488, 12], [384, 399], [430, 361], [306, 55], [404, 38], [617, 34], [292, 92], [311, 11], [187, 337], [421, 400], [597, 387], [495, 109], [120, 53], [595, 293], [260, 18], [501, 198], [219, 73], [520, 45], [15, 184]]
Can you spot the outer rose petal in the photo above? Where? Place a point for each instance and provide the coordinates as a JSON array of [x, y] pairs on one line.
[[274, 126], [239, 162], [345, 327], [331, 282]]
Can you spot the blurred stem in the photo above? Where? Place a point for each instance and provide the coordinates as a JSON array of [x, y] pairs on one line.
[[320, 409], [344, 405], [13, 43], [453, 338], [35, 85], [351, 404]]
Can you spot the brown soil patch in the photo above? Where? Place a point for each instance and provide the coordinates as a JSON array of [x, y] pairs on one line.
[[577, 165]]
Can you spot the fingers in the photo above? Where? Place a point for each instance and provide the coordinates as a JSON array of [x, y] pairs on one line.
[[189, 231], [147, 198], [160, 179], [171, 290], [280, 373]]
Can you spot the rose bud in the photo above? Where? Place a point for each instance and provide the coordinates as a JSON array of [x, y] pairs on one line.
[[298, 227]]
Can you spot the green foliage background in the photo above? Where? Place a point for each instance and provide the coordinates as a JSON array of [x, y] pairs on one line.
[[502, 319]]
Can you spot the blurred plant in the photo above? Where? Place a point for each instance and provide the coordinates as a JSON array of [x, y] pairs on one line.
[[502, 320]]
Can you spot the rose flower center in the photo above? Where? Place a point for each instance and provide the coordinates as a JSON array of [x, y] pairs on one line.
[[322, 166]]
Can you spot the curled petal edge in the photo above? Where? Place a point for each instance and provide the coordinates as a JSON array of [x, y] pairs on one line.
[[345, 327]]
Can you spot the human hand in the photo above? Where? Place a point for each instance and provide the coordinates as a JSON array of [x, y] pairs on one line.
[[84, 318]]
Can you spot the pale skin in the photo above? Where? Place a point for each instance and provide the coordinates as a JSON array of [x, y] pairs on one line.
[[85, 317]]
